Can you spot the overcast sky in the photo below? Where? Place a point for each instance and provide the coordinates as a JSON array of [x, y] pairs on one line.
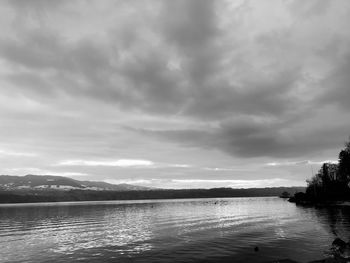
[[176, 94]]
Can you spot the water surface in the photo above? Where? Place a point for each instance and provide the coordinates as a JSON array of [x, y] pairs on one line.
[[187, 230]]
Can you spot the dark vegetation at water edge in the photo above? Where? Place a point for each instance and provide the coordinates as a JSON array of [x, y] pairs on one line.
[[29, 196], [330, 184]]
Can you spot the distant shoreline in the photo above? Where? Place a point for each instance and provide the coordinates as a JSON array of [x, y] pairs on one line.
[[322, 204], [34, 196], [305, 199]]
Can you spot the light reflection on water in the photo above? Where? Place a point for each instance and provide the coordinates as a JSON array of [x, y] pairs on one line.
[[190, 230]]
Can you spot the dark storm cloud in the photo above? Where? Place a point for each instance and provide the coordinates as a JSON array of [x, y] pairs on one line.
[[249, 138], [190, 24], [276, 140], [144, 81], [336, 87], [310, 8], [34, 50]]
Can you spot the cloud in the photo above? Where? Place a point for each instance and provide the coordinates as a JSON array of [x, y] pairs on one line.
[[117, 163], [123, 163], [254, 137], [336, 85], [215, 73], [178, 165], [209, 183], [274, 182], [39, 171], [137, 76], [19, 154], [301, 163], [224, 169]]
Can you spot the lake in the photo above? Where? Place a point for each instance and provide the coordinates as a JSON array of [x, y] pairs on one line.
[[177, 230]]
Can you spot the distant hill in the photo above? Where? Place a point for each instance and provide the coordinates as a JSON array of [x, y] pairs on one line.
[[9, 182], [31, 188]]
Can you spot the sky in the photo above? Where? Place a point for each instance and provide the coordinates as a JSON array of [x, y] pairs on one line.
[[174, 94]]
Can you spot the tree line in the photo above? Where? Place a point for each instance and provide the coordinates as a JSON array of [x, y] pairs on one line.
[[332, 181], [30, 196]]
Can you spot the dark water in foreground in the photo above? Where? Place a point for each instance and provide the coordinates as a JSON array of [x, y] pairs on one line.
[[191, 230]]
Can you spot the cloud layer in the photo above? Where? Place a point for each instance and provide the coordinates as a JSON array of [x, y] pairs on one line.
[[202, 83]]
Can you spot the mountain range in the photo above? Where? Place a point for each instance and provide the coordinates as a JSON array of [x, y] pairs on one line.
[[46, 182], [48, 188]]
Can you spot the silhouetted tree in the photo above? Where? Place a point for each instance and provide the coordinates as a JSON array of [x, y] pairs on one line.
[[344, 163], [332, 180], [333, 171]]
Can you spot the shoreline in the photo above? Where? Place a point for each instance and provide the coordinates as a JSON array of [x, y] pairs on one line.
[[320, 204], [34, 195], [326, 260]]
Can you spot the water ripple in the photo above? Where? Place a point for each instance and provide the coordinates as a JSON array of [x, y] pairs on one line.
[[167, 231]]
